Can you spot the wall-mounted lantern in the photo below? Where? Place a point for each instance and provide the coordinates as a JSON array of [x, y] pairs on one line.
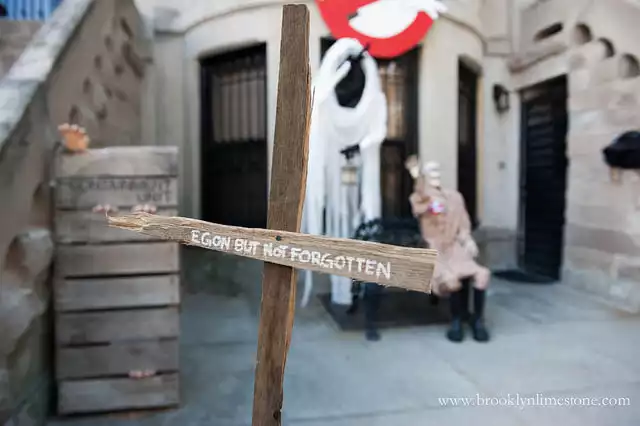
[[349, 172], [501, 98]]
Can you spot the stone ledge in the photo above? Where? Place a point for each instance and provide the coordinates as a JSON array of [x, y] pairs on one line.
[[500, 47], [590, 145], [169, 20], [604, 240], [588, 55], [618, 94], [36, 63], [497, 246], [588, 259], [537, 53], [623, 295], [603, 217], [5, 402], [34, 408], [493, 233], [23, 298], [604, 120], [606, 194]]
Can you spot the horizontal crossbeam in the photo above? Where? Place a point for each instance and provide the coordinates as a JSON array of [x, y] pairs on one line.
[[404, 267]]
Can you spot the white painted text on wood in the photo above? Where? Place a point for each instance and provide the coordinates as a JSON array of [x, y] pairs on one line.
[[327, 261]]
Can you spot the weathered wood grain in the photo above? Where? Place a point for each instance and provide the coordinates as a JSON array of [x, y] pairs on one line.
[[102, 395], [116, 359], [409, 268], [112, 326], [286, 197], [110, 293], [117, 259], [89, 227], [120, 191], [120, 161]]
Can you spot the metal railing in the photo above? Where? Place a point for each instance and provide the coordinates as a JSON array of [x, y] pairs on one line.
[[34, 10]]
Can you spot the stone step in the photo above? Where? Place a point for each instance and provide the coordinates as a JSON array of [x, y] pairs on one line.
[[14, 37]]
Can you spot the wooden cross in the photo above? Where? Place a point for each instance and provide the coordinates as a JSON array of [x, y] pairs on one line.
[[281, 246]]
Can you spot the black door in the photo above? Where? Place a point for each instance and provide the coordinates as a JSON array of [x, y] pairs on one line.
[[543, 177], [234, 138], [467, 141], [399, 80]]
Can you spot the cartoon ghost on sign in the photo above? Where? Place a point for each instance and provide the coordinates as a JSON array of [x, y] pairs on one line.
[[388, 27]]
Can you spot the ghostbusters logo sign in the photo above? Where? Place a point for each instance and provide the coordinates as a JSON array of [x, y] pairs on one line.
[[388, 27]]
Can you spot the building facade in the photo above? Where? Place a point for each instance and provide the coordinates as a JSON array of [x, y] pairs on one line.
[[515, 99], [575, 70]]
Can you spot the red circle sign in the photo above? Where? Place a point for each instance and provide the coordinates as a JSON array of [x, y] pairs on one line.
[[388, 27]]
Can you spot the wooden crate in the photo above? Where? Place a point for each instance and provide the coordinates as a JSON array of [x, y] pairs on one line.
[[116, 293]]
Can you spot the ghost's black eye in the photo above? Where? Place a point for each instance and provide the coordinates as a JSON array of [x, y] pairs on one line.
[[352, 15]]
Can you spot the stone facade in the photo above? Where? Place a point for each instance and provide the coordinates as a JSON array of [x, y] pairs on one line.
[[594, 48], [194, 29], [514, 43], [602, 247], [60, 76]]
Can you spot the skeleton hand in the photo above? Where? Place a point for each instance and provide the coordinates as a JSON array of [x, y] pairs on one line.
[[471, 247], [145, 208], [413, 166], [141, 374], [105, 208]]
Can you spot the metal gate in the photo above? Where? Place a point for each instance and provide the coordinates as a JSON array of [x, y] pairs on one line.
[[234, 138], [399, 80], [543, 177], [467, 148]]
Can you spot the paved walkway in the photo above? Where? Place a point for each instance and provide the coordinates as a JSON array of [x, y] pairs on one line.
[[547, 340]]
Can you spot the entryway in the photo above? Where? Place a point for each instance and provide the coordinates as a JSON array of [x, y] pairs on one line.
[[543, 178], [467, 140], [234, 177]]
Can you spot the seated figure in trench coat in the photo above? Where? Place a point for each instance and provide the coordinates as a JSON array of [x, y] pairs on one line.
[[445, 225]]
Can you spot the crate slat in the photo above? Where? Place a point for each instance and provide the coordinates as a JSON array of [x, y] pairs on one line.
[[116, 359], [112, 326], [110, 293], [87, 192], [102, 395], [120, 161], [117, 259], [88, 227]]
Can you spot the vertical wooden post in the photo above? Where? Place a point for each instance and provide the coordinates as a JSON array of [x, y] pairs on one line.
[[288, 183]]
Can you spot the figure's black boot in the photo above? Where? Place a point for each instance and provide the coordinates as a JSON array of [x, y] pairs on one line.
[[480, 333], [355, 297], [456, 333], [371, 306], [464, 300]]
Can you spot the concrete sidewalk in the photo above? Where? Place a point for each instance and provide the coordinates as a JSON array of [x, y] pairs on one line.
[[547, 340]]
